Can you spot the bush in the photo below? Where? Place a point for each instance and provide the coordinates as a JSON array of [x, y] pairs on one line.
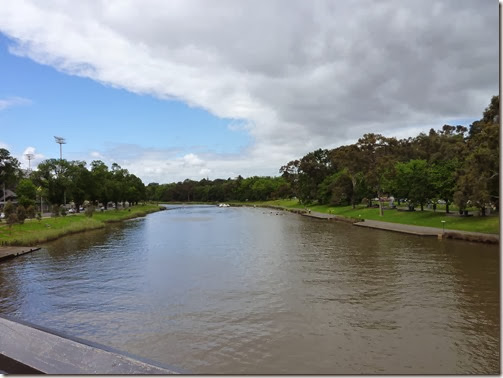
[[55, 210], [30, 212], [9, 209], [89, 211], [62, 210], [11, 219], [26, 202], [39, 216], [21, 214]]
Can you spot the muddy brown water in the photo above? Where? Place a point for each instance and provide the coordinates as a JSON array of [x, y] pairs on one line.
[[249, 290]]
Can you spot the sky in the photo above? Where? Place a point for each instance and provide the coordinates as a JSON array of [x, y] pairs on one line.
[[214, 89]]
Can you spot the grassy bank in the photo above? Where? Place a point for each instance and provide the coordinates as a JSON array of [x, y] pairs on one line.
[[35, 232], [487, 224]]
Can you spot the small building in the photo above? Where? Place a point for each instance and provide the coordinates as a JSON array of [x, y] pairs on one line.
[[9, 196]]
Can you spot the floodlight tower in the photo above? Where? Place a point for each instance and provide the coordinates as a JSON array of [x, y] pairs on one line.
[[30, 157], [60, 141]]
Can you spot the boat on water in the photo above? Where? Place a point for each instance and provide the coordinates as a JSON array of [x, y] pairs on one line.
[[223, 205]]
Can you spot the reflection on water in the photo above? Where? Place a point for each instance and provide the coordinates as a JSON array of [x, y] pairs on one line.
[[239, 290]]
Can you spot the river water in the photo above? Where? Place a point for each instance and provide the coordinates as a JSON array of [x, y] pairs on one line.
[[249, 290]]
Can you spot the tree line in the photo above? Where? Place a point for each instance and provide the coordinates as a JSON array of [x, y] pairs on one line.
[[59, 181], [219, 190], [455, 164]]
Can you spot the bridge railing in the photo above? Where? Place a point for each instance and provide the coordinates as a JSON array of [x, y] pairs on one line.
[[30, 349]]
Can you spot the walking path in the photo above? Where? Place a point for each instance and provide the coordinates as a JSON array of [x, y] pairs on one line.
[[8, 252], [410, 229]]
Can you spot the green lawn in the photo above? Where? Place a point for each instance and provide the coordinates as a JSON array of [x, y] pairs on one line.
[[34, 231], [487, 224]]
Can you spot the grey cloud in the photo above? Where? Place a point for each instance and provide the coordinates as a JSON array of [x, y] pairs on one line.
[[303, 74]]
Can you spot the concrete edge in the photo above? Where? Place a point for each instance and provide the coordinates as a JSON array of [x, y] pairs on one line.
[[43, 350]]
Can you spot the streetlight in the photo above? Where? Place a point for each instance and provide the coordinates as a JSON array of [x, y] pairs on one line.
[[443, 226]]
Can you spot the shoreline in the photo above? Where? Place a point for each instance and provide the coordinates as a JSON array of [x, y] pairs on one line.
[[83, 225], [470, 236]]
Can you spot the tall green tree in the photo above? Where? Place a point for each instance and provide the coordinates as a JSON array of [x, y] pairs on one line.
[[9, 170], [478, 178], [26, 192], [379, 157], [413, 179]]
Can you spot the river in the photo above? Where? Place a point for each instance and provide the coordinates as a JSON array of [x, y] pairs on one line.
[[250, 290]]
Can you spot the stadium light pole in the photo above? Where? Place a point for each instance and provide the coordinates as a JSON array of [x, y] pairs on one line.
[[61, 141], [30, 157]]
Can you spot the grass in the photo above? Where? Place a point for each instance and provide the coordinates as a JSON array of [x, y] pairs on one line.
[[35, 232], [487, 224]]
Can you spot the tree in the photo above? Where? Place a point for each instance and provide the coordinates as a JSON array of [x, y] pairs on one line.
[[52, 176], [350, 157], [312, 170], [100, 177], [478, 179], [9, 169], [443, 176], [414, 181], [26, 192], [80, 183], [379, 158]]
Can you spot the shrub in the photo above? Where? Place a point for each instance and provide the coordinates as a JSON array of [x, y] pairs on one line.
[[89, 211], [9, 209], [62, 210], [30, 212], [21, 214], [39, 216], [11, 219], [55, 210]]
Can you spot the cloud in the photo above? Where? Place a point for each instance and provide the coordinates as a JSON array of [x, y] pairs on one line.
[[191, 160], [10, 102], [297, 75], [96, 155]]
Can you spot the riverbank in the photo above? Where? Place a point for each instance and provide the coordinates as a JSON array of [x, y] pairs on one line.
[[426, 223], [427, 218], [35, 232]]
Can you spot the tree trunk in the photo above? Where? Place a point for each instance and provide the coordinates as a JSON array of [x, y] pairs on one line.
[[353, 182], [447, 207], [381, 212], [483, 211], [422, 207]]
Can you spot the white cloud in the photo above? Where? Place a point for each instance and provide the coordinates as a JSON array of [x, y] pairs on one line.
[[297, 75], [191, 160], [205, 171], [96, 155], [10, 102]]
